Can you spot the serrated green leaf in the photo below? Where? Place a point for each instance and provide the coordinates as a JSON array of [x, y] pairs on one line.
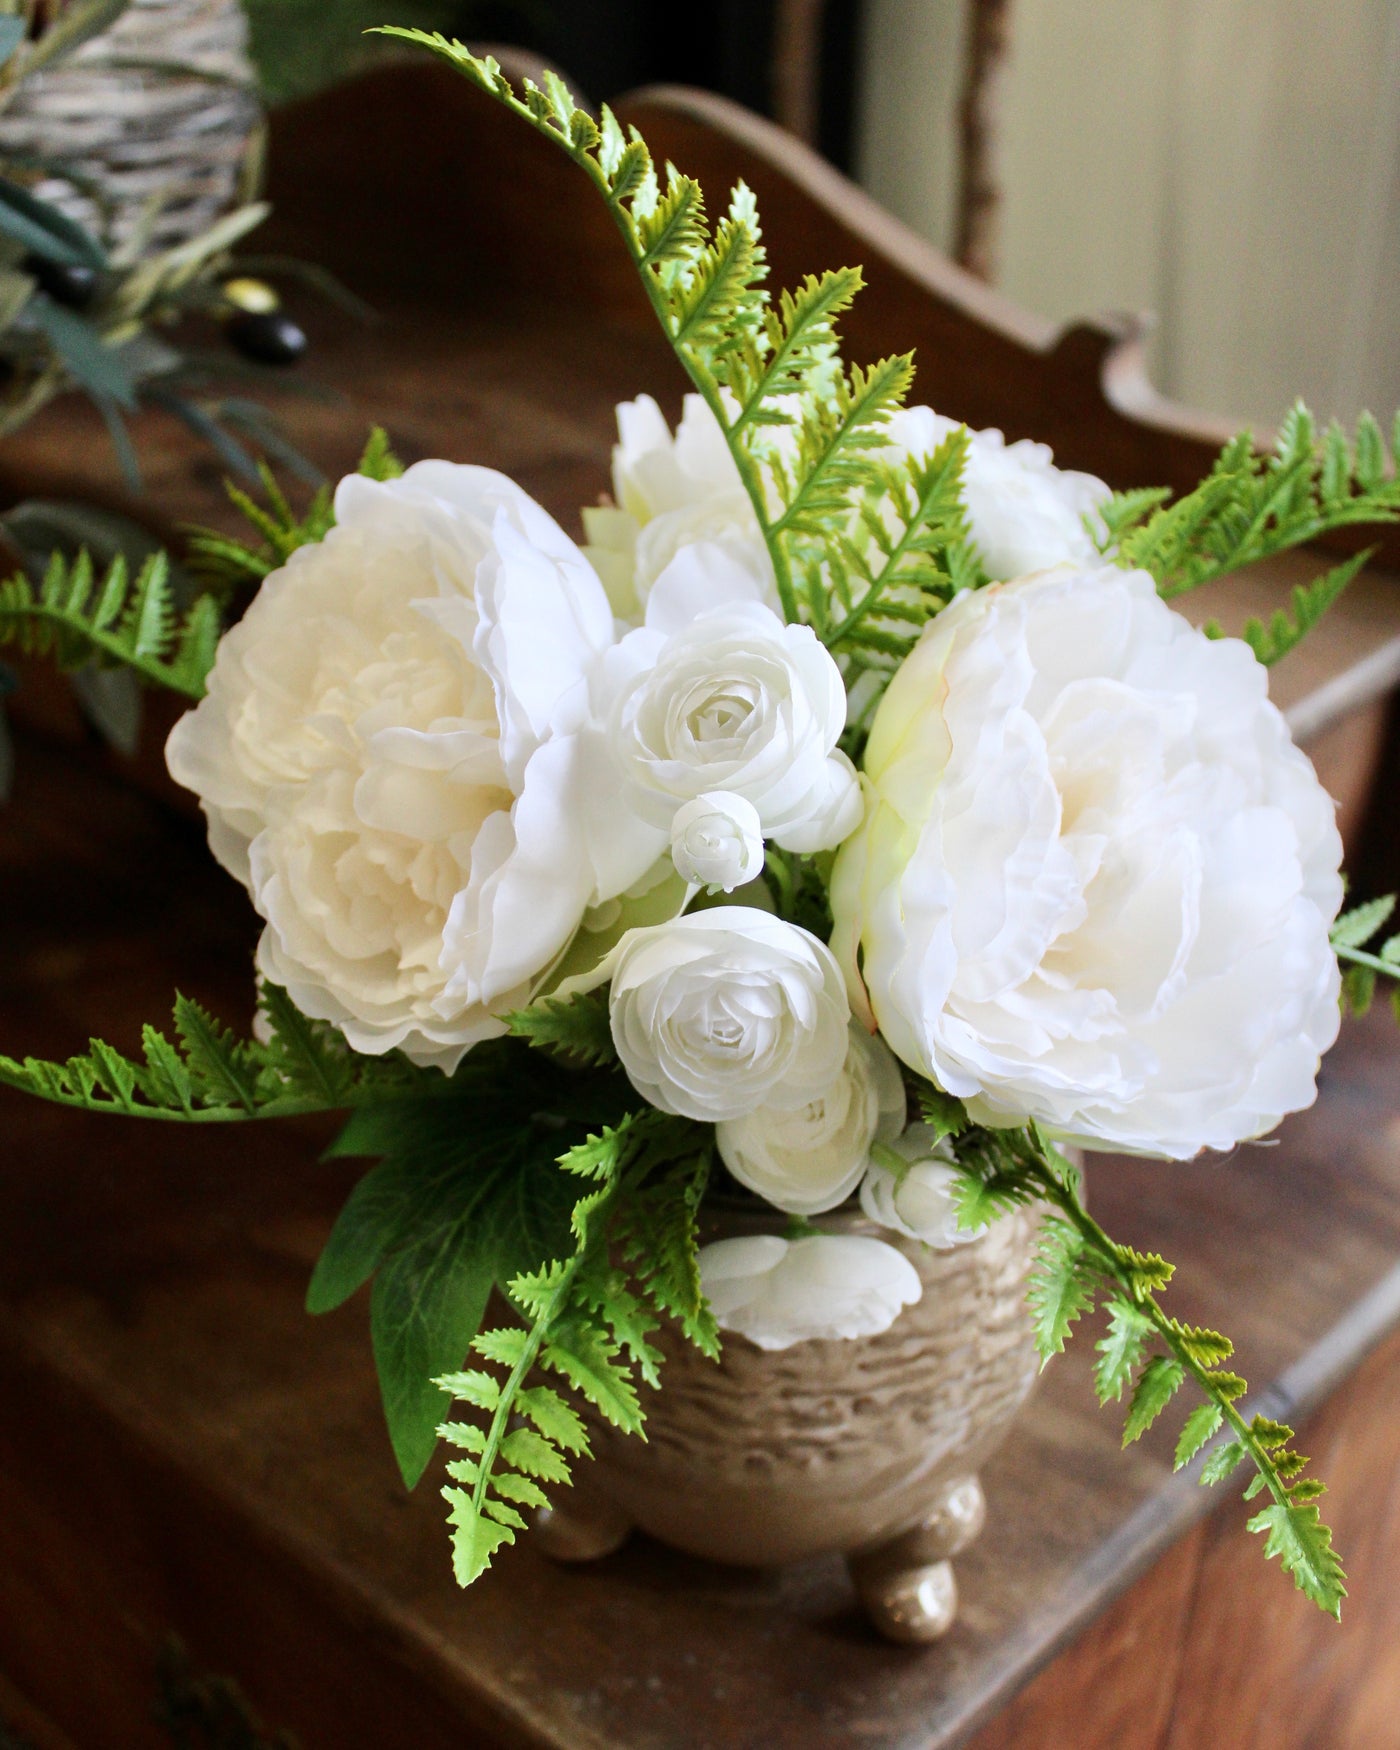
[[1204, 1421], [475, 1539], [1354, 928], [1062, 1286], [1156, 1386], [1303, 1544], [1221, 1462], [1120, 1350]]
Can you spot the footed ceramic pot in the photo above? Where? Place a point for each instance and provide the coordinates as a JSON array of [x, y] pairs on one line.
[[869, 1447]]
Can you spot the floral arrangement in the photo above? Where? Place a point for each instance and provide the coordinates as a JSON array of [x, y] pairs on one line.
[[852, 817]]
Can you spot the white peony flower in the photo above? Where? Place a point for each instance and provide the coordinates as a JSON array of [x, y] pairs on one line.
[[721, 1010], [717, 841], [730, 699], [919, 1199], [779, 1292], [671, 492], [394, 756], [1025, 513], [1095, 878], [811, 1158]]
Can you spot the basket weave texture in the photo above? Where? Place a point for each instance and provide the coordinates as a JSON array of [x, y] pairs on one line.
[[159, 108]]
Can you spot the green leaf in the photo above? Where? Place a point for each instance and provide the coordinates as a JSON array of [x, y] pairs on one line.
[[1310, 602], [43, 229], [1354, 928], [13, 30], [1221, 1462], [576, 1027], [1120, 1350], [944, 1115], [1303, 1544], [427, 1306], [1062, 1286], [117, 621], [1156, 1386], [1203, 1422]]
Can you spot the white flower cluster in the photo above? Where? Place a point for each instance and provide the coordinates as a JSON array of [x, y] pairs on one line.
[[1084, 877]]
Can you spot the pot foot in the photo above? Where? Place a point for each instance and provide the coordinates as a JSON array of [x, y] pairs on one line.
[[584, 1529], [906, 1587]]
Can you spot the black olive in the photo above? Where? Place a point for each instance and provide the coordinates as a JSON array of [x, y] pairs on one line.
[[267, 337], [74, 286]]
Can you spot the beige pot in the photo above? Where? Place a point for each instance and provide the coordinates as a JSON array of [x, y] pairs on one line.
[[869, 1447]]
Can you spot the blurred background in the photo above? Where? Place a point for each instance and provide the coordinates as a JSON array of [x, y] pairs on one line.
[[1230, 166]]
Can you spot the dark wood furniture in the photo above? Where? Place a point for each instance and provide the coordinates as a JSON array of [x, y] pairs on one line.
[[183, 1452]]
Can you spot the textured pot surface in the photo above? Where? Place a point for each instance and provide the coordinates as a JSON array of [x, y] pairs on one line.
[[833, 1446]]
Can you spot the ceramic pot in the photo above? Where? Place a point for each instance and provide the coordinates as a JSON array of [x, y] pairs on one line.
[[869, 1447]]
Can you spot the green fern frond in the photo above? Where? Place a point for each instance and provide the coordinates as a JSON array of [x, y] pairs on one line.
[[76, 616], [224, 563], [1012, 1167], [206, 1073], [1253, 505], [583, 1320], [1310, 602], [576, 1028], [805, 430], [1364, 961]]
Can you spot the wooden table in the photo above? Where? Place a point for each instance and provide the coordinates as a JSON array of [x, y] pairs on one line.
[[183, 1451]]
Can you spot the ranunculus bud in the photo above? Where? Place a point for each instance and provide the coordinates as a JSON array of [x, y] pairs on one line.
[[779, 1292], [717, 841], [917, 1199]]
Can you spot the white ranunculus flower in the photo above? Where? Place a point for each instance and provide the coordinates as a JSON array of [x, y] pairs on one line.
[[730, 699], [779, 1292], [811, 1158], [1025, 513], [721, 1010], [919, 1200], [396, 756], [1095, 878], [717, 841], [671, 492]]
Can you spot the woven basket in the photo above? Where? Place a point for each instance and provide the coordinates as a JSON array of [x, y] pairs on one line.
[[160, 107]]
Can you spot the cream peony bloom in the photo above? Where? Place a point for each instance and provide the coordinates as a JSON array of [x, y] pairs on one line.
[[671, 492], [1095, 878], [726, 697], [395, 756], [810, 1159], [721, 1010], [919, 1199], [779, 1292], [1026, 514]]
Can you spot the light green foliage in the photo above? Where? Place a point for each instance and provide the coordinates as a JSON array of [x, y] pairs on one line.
[[584, 1320], [1251, 505], [207, 1073], [1077, 1261], [125, 618], [224, 563], [575, 1028], [116, 619], [944, 1115], [1120, 1350], [865, 546], [1310, 602], [1363, 958], [1062, 1286]]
